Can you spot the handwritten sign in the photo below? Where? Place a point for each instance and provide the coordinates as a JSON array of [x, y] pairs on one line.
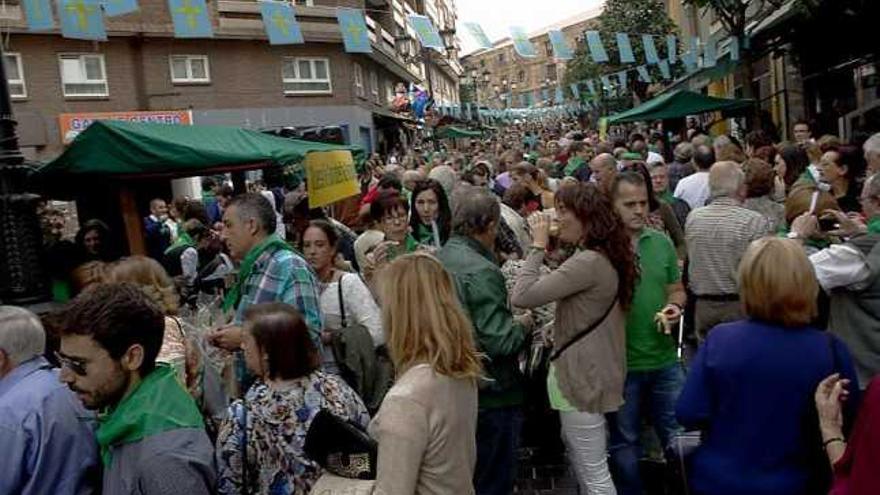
[[330, 176]]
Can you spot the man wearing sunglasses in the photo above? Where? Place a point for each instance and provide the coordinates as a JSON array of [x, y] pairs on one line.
[[41, 422], [150, 433]]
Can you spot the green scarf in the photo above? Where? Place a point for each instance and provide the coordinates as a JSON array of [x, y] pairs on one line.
[[158, 404], [874, 225], [183, 239], [573, 164], [667, 197], [247, 266]]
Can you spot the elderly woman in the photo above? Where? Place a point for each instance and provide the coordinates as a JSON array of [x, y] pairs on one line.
[[264, 434], [751, 385], [759, 187]]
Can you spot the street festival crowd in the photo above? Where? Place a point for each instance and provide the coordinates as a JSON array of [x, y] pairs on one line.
[[711, 301]]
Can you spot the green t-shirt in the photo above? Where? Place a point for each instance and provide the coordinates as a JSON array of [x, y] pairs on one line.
[[647, 348], [558, 402]]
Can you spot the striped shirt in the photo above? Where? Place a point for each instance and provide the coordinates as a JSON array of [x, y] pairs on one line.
[[717, 237]]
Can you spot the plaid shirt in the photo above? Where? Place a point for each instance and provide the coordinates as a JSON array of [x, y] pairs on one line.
[[284, 276]]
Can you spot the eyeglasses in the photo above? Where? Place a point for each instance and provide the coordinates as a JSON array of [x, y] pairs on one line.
[[75, 366], [395, 219]]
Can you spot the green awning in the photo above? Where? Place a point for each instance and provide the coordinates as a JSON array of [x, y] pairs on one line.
[[128, 149], [677, 104], [451, 131]]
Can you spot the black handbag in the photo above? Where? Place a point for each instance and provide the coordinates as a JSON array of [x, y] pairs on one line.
[[341, 447]]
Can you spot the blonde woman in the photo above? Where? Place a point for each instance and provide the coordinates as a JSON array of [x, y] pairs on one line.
[[149, 275], [426, 427]]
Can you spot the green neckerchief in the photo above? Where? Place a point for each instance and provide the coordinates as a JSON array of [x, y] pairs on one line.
[[183, 239], [158, 404], [573, 164], [667, 197], [874, 225], [247, 266], [424, 234]]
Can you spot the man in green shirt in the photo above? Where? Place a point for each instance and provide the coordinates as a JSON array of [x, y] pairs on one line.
[[653, 371]]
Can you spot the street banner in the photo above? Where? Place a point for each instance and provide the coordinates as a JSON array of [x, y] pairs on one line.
[[606, 84], [545, 95], [191, 19], [575, 90], [591, 86], [71, 124], [559, 97], [521, 42], [691, 57], [671, 48], [425, 31], [709, 54], [478, 34], [561, 50], [113, 8], [734, 48], [355, 35], [622, 77], [82, 20], [330, 176], [282, 28], [38, 14], [624, 47], [650, 49], [643, 74], [603, 128], [664, 69], [597, 50]]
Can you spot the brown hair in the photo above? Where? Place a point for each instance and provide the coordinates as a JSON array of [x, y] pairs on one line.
[[525, 168], [282, 336], [424, 321], [759, 177], [604, 233], [387, 203], [149, 275], [730, 153], [777, 283], [88, 274], [799, 200]]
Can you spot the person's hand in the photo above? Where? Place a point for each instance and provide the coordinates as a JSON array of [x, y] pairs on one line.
[[228, 337], [383, 251], [805, 226], [672, 312], [850, 224], [666, 317], [829, 395], [539, 225], [526, 321]]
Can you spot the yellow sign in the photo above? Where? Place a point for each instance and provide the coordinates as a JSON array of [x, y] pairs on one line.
[[330, 176], [603, 129]]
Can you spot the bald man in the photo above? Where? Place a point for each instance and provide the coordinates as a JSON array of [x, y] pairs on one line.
[[603, 170]]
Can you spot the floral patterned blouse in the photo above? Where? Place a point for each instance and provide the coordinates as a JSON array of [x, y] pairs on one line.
[[277, 423]]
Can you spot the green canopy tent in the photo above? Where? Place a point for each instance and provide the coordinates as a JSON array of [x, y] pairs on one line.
[[678, 104], [129, 155], [451, 131]]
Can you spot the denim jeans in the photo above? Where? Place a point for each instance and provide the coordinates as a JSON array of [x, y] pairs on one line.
[[585, 442], [497, 443], [659, 389]]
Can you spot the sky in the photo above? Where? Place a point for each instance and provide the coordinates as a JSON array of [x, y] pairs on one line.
[[496, 16]]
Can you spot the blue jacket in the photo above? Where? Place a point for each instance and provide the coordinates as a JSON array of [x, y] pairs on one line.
[[750, 389]]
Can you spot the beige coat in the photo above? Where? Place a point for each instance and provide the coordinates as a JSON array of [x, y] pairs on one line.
[[590, 373], [426, 429]]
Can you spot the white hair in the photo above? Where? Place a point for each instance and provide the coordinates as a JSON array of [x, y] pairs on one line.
[[21, 334], [725, 179], [872, 145]]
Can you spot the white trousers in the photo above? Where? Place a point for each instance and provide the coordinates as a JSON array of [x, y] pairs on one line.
[[585, 440]]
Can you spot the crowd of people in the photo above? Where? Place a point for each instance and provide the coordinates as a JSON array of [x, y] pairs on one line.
[[638, 290]]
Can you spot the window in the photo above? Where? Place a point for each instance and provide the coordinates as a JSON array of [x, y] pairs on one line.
[[389, 92], [374, 85], [83, 75], [548, 47], [189, 69], [15, 75], [304, 3], [501, 58], [359, 81], [306, 75], [522, 76], [551, 72]]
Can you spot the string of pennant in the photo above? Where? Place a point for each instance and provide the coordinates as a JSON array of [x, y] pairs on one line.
[[84, 19]]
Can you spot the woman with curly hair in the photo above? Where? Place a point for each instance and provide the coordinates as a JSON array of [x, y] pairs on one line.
[[592, 289]]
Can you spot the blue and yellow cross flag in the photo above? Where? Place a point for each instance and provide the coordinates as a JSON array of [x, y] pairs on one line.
[[709, 54], [478, 34], [624, 47], [671, 48], [575, 90], [113, 8], [82, 20], [561, 50], [622, 77], [521, 42], [39, 15], [597, 49], [191, 19], [734, 48], [650, 49], [664, 69], [355, 35], [643, 74], [425, 31], [280, 21]]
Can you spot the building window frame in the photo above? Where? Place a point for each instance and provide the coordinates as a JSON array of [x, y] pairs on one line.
[[82, 58], [298, 78], [374, 85], [359, 89], [188, 77], [19, 67], [304, 3]]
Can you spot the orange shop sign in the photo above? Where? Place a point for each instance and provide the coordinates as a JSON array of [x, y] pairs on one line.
[[71, 124]]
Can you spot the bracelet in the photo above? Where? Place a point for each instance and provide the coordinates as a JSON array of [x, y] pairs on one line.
[[832, 440], [537, 248]]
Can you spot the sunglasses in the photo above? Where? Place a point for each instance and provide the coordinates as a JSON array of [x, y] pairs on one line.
[[73, 365]]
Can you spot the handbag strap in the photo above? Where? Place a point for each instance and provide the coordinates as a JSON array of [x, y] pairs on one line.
[[342, 302], [583, 333]]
